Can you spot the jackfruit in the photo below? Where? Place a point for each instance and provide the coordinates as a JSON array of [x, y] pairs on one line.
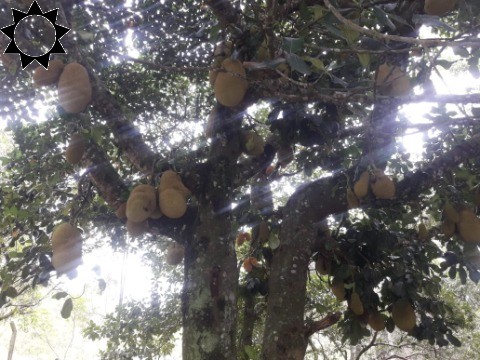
[[352, 200], [75, 149], [355, 304], [172, 203], [50, 76], [121, 211], [249, 263], [171, 180], [74, 88], [439, 7], [141, 203], [254, 144], [230, 84], [392, 81], [338, 289], [469, 226], [242, 237], [66, 248], [216, 65], [376, 321], [383, 187], [360, 188], [65, 235], [422, 232], [448, 228], [65, 260], [403, 315], [476, 196], [450, 213], [175, 254]]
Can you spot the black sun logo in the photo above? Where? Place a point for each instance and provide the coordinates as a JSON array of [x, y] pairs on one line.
[[24, 46]]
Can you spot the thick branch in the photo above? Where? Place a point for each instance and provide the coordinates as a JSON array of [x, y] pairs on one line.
[[129, 138], [322, 324]]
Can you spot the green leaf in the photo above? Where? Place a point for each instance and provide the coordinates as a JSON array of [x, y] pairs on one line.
[[59, 295], [251, 352], [463, 275], [432, 21], [452, 273], [350, 35], [364, 59], [445, 64], [67, 308], [335, 31], [298, 64], [293, 45], [453, 340], [383, 18], [273, 241], [318, 12], [317, 63]]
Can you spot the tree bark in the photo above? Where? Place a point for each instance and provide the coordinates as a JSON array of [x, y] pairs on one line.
[[248, 325], [210, 289], [285, 335]]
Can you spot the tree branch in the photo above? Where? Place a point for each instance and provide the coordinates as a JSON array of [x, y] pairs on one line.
[[322, 324], [129, 138], [408, 40], [368, 346]]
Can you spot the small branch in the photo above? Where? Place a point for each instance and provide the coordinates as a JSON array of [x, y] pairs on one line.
[[322, 324], [12, 340], [369, 345], [404, 39]]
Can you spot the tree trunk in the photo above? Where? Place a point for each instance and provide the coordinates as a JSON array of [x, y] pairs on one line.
[[285, 336], [210, 289], [248, 325]]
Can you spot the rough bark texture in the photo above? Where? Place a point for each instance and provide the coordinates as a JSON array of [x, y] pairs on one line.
[[209, 301], [284, 336], [210, 287], [248, 325]]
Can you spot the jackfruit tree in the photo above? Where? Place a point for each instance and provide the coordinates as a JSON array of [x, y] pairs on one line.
[[258, 146]]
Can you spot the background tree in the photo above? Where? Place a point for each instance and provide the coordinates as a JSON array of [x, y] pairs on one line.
[[322, 83]]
